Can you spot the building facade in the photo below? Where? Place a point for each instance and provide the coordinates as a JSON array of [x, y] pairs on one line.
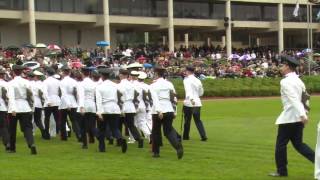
[[174, 23]]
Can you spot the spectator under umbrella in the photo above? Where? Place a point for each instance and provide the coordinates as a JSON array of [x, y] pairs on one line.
[[234, 57]]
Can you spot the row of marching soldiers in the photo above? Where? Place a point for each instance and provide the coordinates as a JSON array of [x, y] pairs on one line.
[[96, 105]]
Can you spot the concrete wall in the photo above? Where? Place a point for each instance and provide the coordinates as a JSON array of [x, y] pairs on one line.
[[13, 35]]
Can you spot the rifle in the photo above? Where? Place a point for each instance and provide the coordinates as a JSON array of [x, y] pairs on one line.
[[59, 92], [135, 99], [173, 97], [182, 120], [30, 98], [305, 98], [120, 102], [40, 93], [4, 96], [145, 98], [75, 93], [150, 100]]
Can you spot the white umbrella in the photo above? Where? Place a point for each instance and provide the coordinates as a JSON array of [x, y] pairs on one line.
[[41, 45]]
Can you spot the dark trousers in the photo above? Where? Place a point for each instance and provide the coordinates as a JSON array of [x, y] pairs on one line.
[[47, 114], [121, 124], [109, 121], [129, 121], [73, 116], [4, 132], [37, 119], [25, 120], [87, 126], [188, 113], [290, 132], [168, 131], [108, 132]]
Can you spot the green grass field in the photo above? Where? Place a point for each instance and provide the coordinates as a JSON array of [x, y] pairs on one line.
[[240, 146]]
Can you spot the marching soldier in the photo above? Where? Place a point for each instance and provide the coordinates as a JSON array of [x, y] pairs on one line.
[[51, 87], [4, 133], [163, 113], [87, 106], [130, 104], [69, 104], [293, 118], [20, 108], [141, 117], [108, 100], [39, 100], [192, 104], [96, 77]]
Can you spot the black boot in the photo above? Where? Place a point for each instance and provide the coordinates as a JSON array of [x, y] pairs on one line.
[[124, 145], [180, 151], [140, 143], [33, 150], [102, 146], [173, 139]]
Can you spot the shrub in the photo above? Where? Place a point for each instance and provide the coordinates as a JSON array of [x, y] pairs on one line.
[[246, 87]]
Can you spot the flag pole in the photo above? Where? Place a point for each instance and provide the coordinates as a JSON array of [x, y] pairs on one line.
[[311, 39]]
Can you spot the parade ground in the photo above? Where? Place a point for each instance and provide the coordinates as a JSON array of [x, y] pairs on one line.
[[241, 140]]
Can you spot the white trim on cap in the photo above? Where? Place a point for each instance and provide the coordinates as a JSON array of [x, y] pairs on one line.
[[142, 75]]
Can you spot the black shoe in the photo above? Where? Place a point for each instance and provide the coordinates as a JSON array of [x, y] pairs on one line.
[[46, 136], [33, 150], [124, 146], [7, 148], [180, 151], [156, 155], [11, 151], [140, 143], [204, 139], [111, 142], [84, 147], [276, 174]]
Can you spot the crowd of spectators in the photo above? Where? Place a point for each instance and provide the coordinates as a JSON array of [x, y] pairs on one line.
[[210, 62]]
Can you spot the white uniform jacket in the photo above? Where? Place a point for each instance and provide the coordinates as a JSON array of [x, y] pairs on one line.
[[51, 89], [193, 90], [38, 86], [3, 85], [18, 95], [68, 99], [87, 91], [291, 93], [107, 98], [127, 89], [161, 89]]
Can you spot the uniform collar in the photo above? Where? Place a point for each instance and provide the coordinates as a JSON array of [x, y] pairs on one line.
[[190, 75], [291, 74], [17, 77], [160, 79], [124, 80]]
